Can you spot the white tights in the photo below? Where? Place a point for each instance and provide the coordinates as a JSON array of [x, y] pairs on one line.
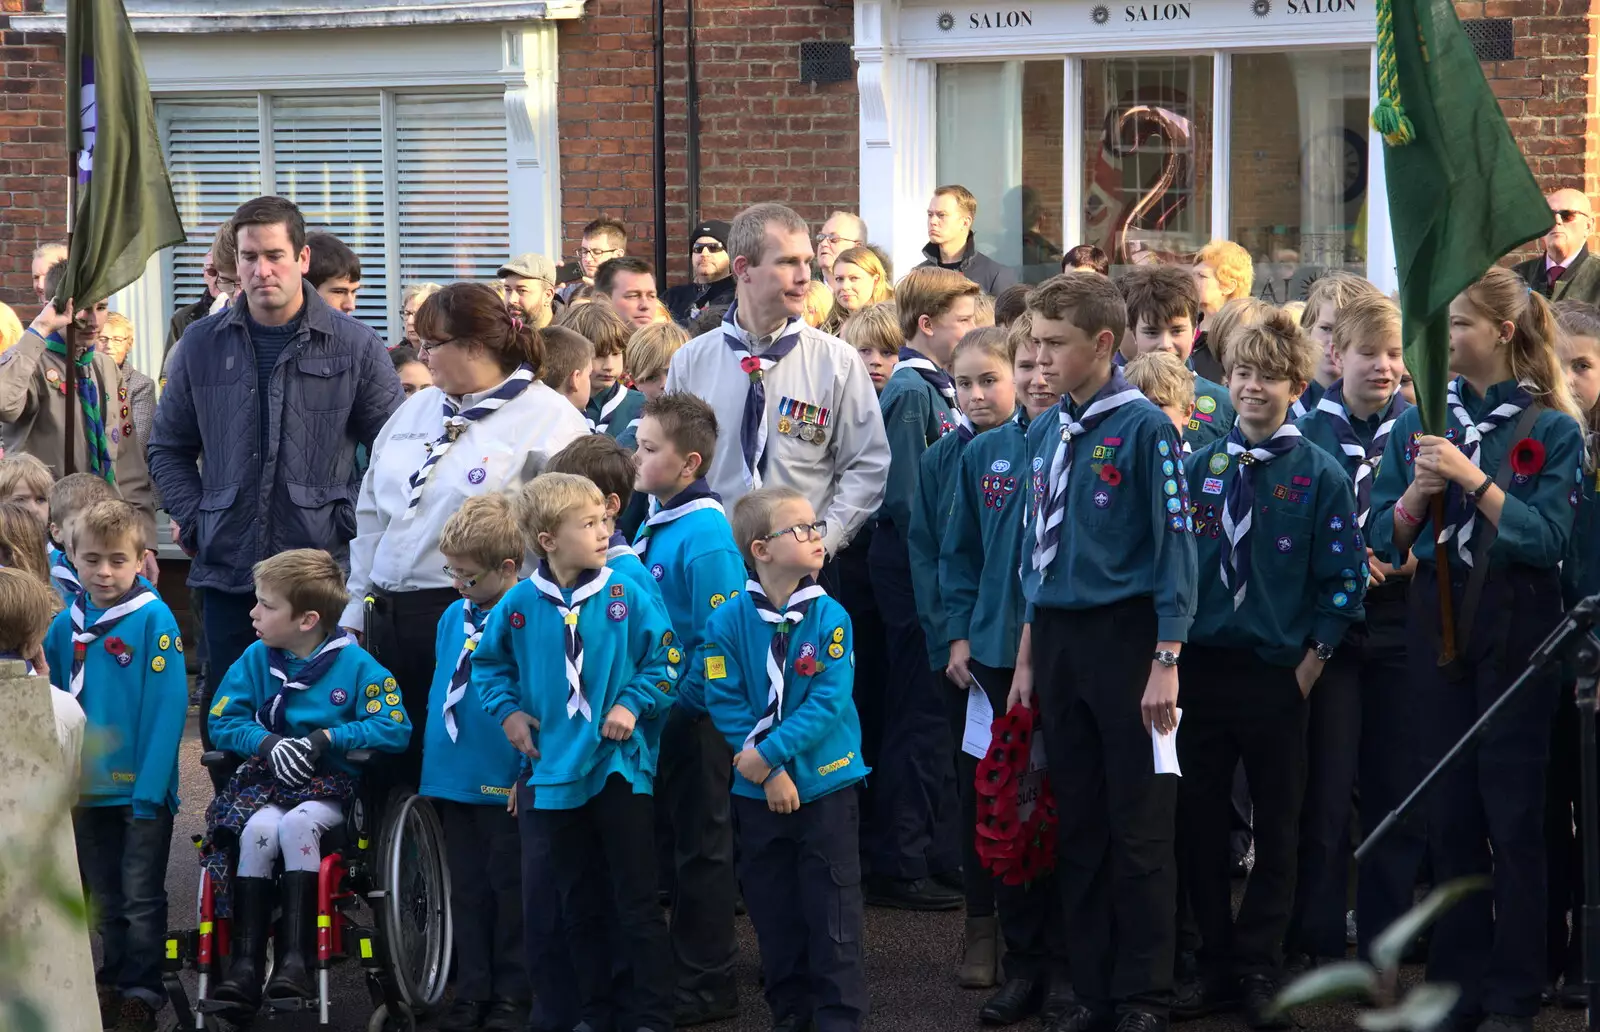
[[297, 834]]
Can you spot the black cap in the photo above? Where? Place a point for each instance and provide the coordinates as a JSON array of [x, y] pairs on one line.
[[716, 229]]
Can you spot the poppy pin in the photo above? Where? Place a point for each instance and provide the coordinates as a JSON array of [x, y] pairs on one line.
[[517, 621], [752, 367], [1110, 474], [1527, 457], [805, 666]]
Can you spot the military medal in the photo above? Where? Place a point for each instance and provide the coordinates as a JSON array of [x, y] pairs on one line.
[[784, 426], [808, 432]]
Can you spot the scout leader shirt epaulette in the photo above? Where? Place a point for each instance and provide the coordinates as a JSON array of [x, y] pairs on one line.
[[480, 764], [1537, 517], [1125, 532], [1308, 561], [1212, 416], [630, 657], [357, 702], [915, 415], [982, 542], [930, 512], [818, 741], [135, 694]]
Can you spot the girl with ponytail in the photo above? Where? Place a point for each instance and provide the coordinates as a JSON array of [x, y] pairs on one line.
[[1505, 478]]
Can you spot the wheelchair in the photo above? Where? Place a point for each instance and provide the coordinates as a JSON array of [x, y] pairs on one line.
[[382, 901]]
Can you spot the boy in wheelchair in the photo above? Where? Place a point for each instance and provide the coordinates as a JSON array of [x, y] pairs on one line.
[[294, 704]]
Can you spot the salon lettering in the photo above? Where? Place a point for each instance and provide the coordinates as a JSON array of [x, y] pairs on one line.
[[1001, 20], [1161, 12], [1321, 6]]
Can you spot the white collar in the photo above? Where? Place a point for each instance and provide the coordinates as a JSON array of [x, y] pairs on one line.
[[467, 401]]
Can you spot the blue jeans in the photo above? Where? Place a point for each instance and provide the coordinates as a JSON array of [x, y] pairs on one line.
[[124, 865]]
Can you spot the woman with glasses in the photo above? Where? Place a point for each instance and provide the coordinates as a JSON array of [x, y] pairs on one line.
[[713, 281], [410, 301], [487, 424], [116, 340]]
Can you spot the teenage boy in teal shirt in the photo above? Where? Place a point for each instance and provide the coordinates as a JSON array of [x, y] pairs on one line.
[[914, 795], [1162, 307], [1283, 572], [1108, 569]]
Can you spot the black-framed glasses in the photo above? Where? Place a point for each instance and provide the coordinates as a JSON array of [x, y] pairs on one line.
[[802, 532], [596, 252], [466, 582], [431, 345], [1569, 215], [835, 238], [712, 248]]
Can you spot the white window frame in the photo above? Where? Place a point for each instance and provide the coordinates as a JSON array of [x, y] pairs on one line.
[[897, 80], [517, 61]]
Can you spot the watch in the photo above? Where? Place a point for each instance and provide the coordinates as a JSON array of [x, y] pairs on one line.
[[1324, 652], [1166, 657], [1482, 489]]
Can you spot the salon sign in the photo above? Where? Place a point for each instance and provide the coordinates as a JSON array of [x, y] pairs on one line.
[[935, 23]]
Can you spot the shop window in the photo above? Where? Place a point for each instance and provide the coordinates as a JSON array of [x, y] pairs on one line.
[[1147, 139], [425, 199], [1000, 136], [1298, 165]]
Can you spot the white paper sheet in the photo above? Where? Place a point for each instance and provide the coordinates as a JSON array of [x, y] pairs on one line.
[[977, 735], [1165, 747]]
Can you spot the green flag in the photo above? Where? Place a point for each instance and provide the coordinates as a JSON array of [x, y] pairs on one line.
[[1460, 193], [125, 212]]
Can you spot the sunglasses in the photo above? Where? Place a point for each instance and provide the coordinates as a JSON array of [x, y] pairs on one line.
[[706, 249], [802, 532], [1568, 215]]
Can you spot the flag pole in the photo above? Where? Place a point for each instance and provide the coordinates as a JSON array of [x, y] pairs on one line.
[[69, 462], [1447, 616]]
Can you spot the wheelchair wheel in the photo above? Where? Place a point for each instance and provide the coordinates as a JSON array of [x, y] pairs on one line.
[[416, 877], [403, 1020]]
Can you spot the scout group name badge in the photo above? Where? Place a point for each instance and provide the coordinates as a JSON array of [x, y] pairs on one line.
[[798, 419]]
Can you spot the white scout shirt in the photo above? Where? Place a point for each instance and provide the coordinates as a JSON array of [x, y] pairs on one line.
[[500, 452], [825, 434]]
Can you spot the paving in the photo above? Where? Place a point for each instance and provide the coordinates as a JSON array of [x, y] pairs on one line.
[[911, 959]]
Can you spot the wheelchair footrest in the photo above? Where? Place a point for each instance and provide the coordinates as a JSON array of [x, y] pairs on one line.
[[290, 1005]]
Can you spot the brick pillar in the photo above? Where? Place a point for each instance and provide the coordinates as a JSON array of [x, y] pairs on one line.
[[33, 152]]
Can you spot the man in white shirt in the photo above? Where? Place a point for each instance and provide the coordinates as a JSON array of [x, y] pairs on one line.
[[1566, 270], [796, 408]]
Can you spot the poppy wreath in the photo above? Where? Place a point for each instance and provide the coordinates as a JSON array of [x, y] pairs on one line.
[[1017, 851], [1527, 457]]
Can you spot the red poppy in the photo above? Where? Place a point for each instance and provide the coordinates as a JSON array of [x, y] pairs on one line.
[[116, 646], [517, 621], [1527, 457], [1110, 474], [750, 364], [805, 666]]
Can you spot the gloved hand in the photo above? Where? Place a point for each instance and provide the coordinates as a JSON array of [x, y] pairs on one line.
[[291, 761], [317, 742]]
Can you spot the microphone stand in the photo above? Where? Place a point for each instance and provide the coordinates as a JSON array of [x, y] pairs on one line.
[[1574, 640]]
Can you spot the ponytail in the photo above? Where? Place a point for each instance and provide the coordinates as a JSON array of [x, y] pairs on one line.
[[1502, 296]]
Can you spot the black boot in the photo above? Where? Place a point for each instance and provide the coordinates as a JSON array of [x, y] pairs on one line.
[[252, 918], [291, 979]]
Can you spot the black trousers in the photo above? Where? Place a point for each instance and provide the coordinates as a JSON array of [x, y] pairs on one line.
[[1370, 664], [848, 578], [1116, 868], [401, 630], [1389, 768], [613, 829], [802, 878], [1238, 707], [1563, 823], [485, 855], [1030, 915], [915, 810], [1486, 816], [228, 632], [693, 787]]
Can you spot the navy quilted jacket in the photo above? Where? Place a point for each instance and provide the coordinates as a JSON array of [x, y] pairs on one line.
[[332, 389]]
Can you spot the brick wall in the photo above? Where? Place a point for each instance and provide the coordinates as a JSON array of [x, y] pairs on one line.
[[33, 152], [764, 134], [1546, 90]]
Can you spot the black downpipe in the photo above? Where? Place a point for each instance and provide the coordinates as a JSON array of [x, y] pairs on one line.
[[661, 140], [693, 65]]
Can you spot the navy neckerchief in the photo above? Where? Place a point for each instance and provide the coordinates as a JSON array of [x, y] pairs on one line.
[[1366, 455], [1238, 506], [473, 620], [588, 585], [1047, 527], [136, 599], [617, 546], [753, 425], [62, 570], [271, 714], [456, 423], [1460, 514], [938, 379], [601, 423], [697, 496], [785, 621]]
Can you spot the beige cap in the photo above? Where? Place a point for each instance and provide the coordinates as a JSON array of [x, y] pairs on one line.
[[530, 266]]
